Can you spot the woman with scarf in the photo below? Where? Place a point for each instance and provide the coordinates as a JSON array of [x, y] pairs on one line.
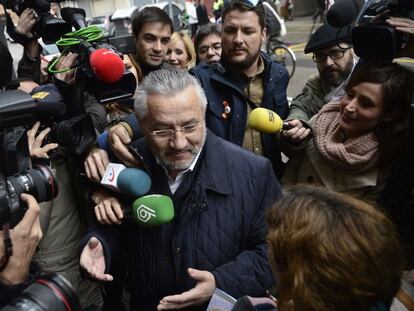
[[354, 141]]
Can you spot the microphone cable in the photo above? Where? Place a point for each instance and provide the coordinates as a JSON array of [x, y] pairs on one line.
[[88, 34]]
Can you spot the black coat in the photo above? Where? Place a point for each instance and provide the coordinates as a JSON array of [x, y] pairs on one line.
[[220, 227]]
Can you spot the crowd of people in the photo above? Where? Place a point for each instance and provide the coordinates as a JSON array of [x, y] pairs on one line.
[[328, 229]]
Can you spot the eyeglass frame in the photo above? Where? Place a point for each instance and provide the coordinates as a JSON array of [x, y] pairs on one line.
[[205, 48], [169, 133], [329, 55]]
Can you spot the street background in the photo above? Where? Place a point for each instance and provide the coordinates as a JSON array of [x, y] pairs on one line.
[[297, 35]]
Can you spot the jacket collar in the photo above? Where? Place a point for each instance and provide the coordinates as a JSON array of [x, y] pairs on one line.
[[213, 174]]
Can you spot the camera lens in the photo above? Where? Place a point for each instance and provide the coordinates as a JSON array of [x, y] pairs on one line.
[[38, 181], [48, 292]]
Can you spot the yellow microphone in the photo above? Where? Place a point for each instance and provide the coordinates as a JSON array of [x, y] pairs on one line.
[[266, 121]]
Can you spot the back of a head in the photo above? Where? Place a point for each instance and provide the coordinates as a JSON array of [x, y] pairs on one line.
[[244, 6], [149, 14], [332, 252]]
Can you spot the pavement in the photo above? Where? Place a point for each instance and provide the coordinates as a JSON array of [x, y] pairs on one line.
[[297, 35]]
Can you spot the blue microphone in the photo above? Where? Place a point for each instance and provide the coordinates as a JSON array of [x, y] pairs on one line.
[[132, 181]]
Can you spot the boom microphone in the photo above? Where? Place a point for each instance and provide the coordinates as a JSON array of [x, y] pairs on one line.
[[107, 65], [131, 181], [266, 121], [153, 210], [344, 12]]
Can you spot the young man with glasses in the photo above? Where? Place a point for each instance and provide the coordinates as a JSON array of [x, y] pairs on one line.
[[245, 78], [335, 59], [220, 194]]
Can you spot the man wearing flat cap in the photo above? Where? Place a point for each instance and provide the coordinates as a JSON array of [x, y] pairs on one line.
[[334, 58]]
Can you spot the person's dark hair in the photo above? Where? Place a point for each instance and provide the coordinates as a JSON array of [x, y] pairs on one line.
[[205, 31], [244, 6], [6, 65], [332, 252], [397, 84], [149, 15]]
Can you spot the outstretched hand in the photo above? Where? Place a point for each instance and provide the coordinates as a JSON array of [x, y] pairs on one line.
[[92, 259], [201, 293]]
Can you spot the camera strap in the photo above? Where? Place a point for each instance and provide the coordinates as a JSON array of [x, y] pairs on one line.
[[8, 247]]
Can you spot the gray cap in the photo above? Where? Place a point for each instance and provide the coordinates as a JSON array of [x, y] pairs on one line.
[[325, 36]]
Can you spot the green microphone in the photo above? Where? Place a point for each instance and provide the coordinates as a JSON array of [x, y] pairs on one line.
[[153, 210]]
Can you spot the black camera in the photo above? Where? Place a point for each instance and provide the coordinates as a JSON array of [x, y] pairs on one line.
[[18, 108], [372, 37], [38, 181], [87, 76], [48, 292], [47, 26]]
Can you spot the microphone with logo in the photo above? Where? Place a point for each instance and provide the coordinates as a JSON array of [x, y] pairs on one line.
[[266, 121], [131, 181], [151, 210]]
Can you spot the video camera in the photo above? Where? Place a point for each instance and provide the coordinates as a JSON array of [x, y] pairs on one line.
[[46, 105], [372, 38], [101, 70], [49, 27]]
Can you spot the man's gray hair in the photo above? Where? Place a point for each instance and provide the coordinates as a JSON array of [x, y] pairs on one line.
[[166, 82]]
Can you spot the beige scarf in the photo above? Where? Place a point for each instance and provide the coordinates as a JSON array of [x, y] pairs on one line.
[[354, 154]]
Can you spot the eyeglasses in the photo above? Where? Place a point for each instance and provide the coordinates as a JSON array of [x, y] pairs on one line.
[[215, 47], [334, 55], [186, 130]]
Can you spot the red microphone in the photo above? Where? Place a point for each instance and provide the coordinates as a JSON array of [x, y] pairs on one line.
[[107, 65]]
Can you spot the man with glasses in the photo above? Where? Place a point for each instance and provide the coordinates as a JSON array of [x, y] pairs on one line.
[[243, 80], [334, 58], [220, 193], [207, 43]]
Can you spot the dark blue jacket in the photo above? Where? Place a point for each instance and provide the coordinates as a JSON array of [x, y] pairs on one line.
[[222, 85], [220, 227]]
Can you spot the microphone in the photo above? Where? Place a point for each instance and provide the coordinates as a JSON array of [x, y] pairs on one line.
[[266, 121], [131, 181], [107, 65], [153, 210], [344, 12]]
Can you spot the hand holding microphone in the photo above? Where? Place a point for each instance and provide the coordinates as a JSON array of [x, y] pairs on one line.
[[297, 133], [150, 210], [268, 121]]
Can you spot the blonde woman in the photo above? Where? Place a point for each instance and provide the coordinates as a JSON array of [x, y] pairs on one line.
[[181, 53]]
